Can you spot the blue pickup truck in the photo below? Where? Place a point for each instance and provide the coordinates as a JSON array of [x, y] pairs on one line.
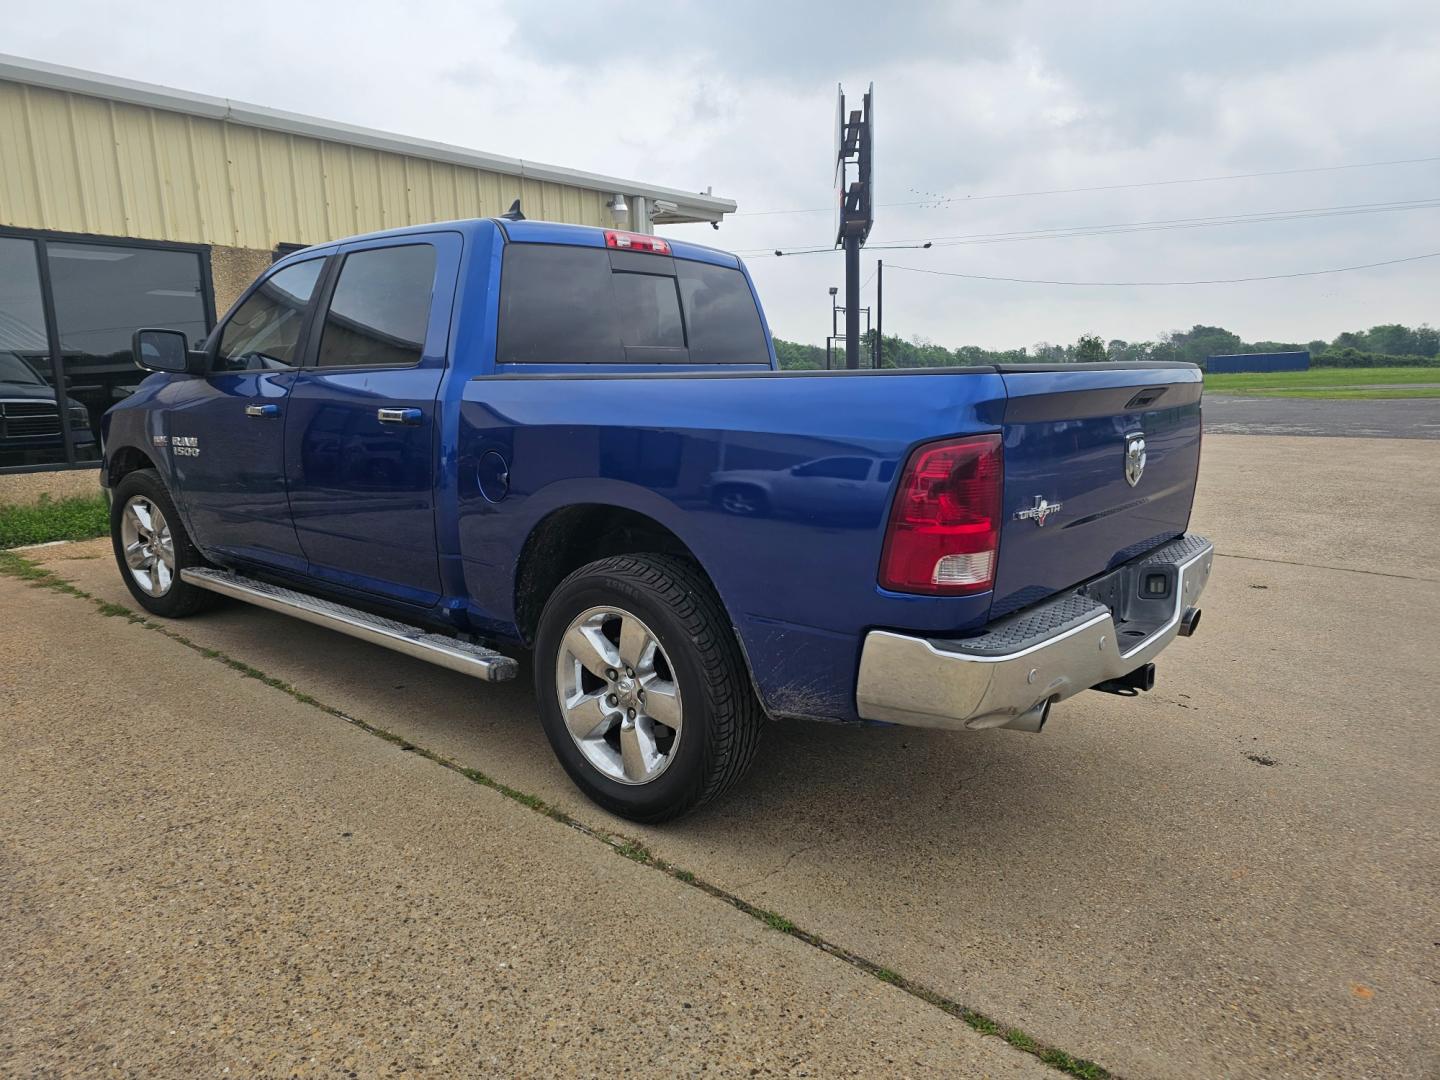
[[491, 438]]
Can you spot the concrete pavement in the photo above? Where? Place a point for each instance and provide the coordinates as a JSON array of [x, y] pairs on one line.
[[1234, 875], [200, 875]]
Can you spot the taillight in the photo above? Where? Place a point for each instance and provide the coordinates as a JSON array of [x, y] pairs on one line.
[[634, 241], [944, 531]]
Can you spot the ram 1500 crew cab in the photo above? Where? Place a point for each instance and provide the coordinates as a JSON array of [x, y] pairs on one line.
[[470, 438]]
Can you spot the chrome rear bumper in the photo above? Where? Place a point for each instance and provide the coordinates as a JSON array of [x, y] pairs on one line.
[[1010, 675]]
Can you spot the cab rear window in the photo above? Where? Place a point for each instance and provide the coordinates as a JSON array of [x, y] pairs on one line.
[[574, 305]]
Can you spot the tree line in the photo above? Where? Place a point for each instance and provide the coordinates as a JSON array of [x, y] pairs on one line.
[[1390, 344]]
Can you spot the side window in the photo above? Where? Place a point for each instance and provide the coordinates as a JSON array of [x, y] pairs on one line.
[[556, 306], [380, 308], [263, 332]]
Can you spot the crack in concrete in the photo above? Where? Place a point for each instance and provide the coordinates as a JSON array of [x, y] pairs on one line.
[[783, 866], [1323, 566]]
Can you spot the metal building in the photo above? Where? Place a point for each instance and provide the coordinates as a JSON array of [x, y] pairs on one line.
[[124, 204]]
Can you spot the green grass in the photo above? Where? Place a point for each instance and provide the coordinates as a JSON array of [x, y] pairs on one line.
[[777, 922], [633, 849], [1329, 382], [79, 517]]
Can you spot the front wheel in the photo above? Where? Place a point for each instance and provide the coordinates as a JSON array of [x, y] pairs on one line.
[[152, 547], [642, 689]]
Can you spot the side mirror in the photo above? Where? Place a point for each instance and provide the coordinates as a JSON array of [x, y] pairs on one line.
[[166, 350]]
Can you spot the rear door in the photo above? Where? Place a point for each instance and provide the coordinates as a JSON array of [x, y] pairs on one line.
[[361, 447], [225, 432], [1100, 465]]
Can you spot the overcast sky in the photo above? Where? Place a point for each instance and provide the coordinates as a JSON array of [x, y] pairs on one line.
[[976, 99]]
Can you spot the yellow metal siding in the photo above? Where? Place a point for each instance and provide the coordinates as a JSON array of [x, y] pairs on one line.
[[17, 171], [75, 163]]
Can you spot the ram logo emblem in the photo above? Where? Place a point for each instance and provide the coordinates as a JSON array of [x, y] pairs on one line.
[[1134, 457]]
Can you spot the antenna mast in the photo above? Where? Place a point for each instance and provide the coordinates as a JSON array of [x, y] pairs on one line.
[[854, 204]]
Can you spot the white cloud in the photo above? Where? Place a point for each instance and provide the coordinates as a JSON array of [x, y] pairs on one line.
[[973, 99]]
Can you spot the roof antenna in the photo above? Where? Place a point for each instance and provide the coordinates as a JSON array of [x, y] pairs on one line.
[[513, 214]]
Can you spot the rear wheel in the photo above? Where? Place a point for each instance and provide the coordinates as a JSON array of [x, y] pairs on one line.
[[642, 689], [152, 547]]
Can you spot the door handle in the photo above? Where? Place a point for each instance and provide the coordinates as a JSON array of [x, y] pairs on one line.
[[263, 411], [399, 416]]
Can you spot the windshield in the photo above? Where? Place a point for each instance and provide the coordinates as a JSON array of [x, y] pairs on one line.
[[13, 369]]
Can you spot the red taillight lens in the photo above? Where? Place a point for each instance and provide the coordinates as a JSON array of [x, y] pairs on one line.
[[634, 241], [944, 532]]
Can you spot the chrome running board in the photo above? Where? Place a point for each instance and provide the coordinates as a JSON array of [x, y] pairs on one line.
[[447, 652]]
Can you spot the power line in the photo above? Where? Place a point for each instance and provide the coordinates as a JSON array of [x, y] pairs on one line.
[[899, 245], [1165, 224], [1066, 232], [1206, 281], [947, 200]]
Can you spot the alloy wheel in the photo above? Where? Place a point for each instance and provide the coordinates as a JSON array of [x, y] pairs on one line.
[[148, 545], [619, 695]]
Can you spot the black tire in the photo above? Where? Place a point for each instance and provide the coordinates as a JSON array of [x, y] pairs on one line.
[[180, 598], [722, 718]]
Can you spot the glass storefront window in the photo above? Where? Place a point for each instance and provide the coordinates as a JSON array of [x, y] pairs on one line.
[[30, 432], [102, 294]]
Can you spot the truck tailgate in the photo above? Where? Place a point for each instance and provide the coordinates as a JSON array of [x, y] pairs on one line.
[[1070, 511]]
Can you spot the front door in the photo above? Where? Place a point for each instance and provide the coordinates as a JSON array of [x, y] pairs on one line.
[[226, 431], [360, 439]]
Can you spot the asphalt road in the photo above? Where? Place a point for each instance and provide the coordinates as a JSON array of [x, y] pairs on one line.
[[1391, 418], [1234, 875]]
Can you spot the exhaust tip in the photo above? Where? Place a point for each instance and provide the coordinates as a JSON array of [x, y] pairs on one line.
[[1189, 622], [1033, 720]]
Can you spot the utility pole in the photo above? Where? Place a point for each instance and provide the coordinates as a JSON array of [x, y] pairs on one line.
[[879, 313], [854, 148], [834, 328], [834, 336], [852, 301]]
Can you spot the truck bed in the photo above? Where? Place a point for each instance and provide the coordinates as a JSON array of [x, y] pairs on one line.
[[780, 483]]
